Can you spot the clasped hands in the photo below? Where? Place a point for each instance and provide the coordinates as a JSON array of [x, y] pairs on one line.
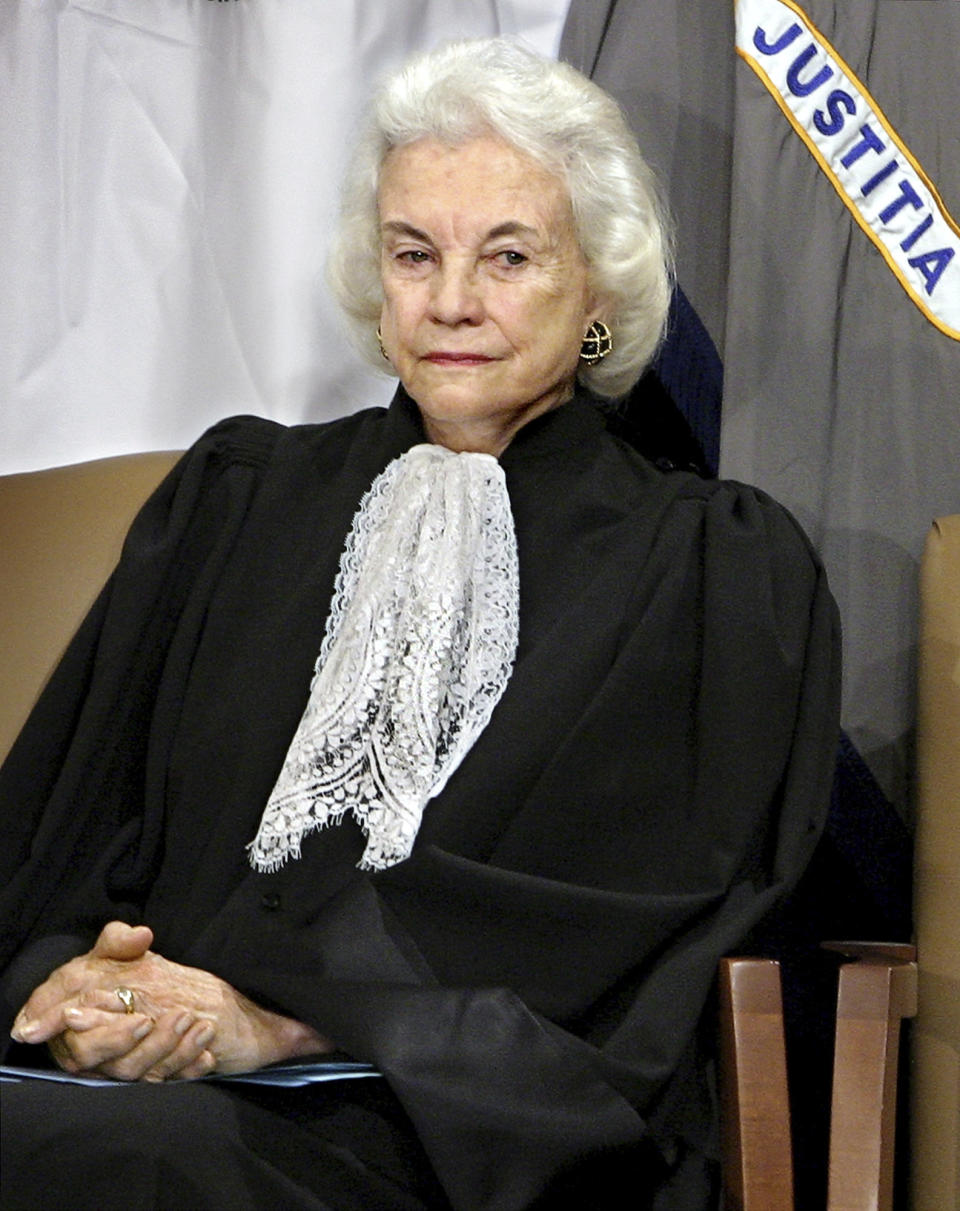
[[186, 1022]]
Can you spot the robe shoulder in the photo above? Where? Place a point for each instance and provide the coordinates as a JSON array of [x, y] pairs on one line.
[[77, 772]]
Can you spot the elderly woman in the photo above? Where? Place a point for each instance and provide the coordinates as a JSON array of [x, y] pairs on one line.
[[568, 736]]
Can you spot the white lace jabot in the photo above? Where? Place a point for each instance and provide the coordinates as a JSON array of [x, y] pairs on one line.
[[418, 649]]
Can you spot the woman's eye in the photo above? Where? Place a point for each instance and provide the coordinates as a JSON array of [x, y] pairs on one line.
[[512, 257], [413, 256]]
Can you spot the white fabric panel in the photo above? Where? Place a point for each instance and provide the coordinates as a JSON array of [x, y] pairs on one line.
[[170, 176]]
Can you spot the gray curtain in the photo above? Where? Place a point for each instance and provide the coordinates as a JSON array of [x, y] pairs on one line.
[[841, 397]]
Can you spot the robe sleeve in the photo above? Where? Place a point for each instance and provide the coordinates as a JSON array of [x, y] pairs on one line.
[[537, 1014], [73, 788]]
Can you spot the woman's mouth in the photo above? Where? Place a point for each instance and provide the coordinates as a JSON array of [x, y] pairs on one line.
[[443, 357]]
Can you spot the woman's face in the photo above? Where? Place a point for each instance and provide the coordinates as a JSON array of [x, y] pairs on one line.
[[486, 293]]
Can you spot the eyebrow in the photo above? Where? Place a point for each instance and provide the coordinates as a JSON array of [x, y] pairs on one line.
[[396, 227], [511, 227]]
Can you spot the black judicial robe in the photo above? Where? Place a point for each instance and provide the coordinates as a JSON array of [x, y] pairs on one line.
[[531, 979]]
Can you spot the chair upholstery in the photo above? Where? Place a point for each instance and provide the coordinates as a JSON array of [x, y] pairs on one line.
[[935, 1044], [60, 534]]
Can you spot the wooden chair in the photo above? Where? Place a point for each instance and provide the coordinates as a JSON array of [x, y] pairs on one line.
[[876, 990], [935, 1036]]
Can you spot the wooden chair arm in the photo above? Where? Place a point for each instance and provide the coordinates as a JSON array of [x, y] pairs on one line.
[[755, 1109], [876, 989], [875, 992]]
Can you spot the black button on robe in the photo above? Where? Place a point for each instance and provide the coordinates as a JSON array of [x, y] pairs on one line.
[[530, 981]]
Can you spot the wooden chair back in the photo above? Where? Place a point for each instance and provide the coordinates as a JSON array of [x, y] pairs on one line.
[[877, 989]]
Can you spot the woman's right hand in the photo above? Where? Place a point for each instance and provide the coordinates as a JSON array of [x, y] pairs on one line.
[[129, 1047], [187, 1022]]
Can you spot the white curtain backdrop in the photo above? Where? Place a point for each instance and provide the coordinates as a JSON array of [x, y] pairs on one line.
[[169, 179]]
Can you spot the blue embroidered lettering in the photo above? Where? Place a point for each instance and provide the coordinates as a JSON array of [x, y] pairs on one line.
[[795, 84], [860, 153], [907, 195], [869, 140], [932, 265], [912, 238], [836, 99], [768, 48], [882, 175]]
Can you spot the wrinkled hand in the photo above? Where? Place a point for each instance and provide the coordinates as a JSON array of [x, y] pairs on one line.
[[187, 1022]]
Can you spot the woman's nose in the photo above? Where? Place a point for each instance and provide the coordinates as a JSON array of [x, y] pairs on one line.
[[456, 295]]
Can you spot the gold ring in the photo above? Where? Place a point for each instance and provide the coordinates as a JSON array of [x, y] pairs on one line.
[[126, 999]]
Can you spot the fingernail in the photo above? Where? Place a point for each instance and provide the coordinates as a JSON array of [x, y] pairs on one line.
[[183, 1023], [74, 1014], [25, 1031], [143, 1030]]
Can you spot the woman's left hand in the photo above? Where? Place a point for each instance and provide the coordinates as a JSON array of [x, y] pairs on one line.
[[185, 1023]]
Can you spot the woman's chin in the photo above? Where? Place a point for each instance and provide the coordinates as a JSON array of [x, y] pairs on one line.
[[469, 398]]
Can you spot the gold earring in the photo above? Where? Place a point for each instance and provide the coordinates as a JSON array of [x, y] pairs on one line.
[[597, 343], [383, 352]]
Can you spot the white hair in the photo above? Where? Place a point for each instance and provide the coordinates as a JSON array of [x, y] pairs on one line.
[[558, 117]]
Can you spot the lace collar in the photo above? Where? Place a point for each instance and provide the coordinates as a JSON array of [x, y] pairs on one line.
[[418, 650]]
